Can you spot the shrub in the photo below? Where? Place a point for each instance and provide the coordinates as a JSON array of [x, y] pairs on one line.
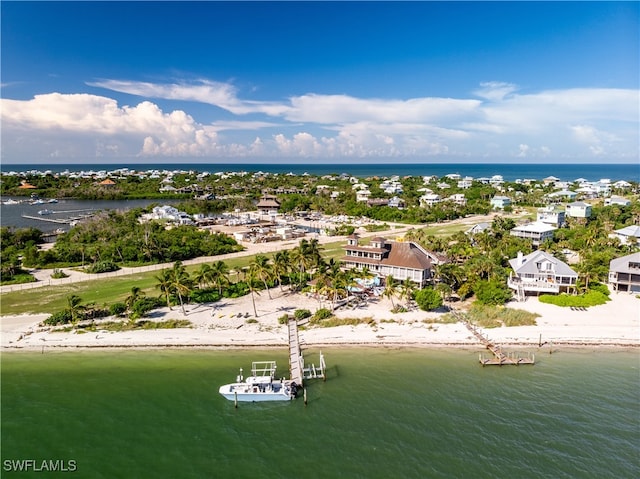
[[102, 267], [61, 317], [117, 309], [492, 292], [602, 288], [301, 314], [590, 298], [322, 313], [488, 316], [58, 273], [284, 319], [144, 305], [428, 299], [205, 296]]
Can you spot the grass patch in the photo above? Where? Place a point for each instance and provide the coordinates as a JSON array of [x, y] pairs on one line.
[[116, 326], [332, 322], [496, 316], [442, 319]]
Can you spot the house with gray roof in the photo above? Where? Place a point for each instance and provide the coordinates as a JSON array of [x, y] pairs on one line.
[[624, 273], [540, 272], [627, 235], [398, 259]]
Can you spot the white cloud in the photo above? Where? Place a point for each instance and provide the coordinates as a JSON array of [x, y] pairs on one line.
[[495, 90], [570, 123]]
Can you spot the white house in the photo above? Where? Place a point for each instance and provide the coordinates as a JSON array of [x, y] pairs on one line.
[[537, 232], [458, 199], [624, 273], [617, 201], [465, 183], [552, 215], [430, 199], [500, 202], [539, 272], [627, 235], [362, 195], [578, 209]]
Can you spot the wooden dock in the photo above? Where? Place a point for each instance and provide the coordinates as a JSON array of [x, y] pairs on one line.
[[499, 357], [295, 353], [296, 359]]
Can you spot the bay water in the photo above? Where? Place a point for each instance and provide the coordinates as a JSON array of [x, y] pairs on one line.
[[382, 413]]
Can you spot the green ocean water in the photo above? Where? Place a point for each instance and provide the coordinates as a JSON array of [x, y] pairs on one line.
[[382, 413]]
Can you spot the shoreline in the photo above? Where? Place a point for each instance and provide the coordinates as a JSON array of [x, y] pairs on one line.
[[229, 325]]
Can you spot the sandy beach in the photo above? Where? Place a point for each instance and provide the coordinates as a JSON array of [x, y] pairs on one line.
[[232, 323]]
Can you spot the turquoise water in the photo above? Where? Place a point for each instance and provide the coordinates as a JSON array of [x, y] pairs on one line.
[[382, 413]]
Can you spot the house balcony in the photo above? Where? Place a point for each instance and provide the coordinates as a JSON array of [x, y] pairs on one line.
[[535, 285]]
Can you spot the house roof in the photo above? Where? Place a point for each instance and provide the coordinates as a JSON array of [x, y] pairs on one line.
[[632, 230], [535, 227], [621, 265], [402, 254], [108, 181], [268, 203], [528, 264]]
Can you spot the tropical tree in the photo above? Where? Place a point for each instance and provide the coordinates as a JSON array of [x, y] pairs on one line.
[[261, 270], [164, 285], [202, 276], [219, 275], [390, 289], [251, 279], [130, 301], [281, 266], [180, 283], [75, 307], [407, 287]]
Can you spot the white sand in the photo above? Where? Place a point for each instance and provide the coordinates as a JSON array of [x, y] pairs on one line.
[[616, 323]]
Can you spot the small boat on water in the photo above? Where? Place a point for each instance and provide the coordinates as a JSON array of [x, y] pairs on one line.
[[45, 212], [260, 386], [52, 200]]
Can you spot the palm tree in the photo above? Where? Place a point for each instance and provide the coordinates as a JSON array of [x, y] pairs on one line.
[[281, 265], [164, 285], [250, 278], [390, 289], [406, 291], [75, 308], [203, 275], [219, 275], [261, 270], [180, 282], [136, 294]]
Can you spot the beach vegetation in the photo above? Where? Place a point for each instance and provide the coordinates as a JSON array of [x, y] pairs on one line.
[[284, 319], [428, 299], [585, 300], [322, 313], [117, 309], [491, 316], [398, 308], [492, 292], [102, 267], [300, 314]]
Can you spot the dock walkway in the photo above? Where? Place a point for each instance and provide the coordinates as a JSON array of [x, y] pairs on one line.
[[296, 359], [499, 357]]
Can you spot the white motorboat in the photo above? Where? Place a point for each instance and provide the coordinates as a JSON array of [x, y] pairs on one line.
[[45, 212], [260, 386]]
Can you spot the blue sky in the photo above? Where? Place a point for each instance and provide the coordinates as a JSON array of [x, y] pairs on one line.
[[329, 82]]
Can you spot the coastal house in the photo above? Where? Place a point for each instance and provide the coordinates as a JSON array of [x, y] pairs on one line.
[[624, 273], [458, 199], [362, 195], [398, 259], [107, 183], [537, 232], [539, 272], [627, 235], [478, 228], [465, 183], [500, 202], [430, 199], [578, 209], [552, 215], [617, 201]]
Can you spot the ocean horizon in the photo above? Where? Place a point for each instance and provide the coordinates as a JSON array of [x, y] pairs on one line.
[[510, 172]]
